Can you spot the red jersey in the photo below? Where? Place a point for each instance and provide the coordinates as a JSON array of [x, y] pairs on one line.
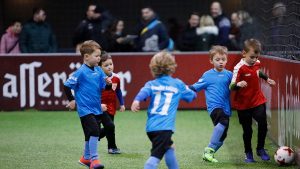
[[109, 96], [250, 96]]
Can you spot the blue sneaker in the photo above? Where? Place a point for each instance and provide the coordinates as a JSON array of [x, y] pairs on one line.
[[114, 151], [263, 154], [249, 158]]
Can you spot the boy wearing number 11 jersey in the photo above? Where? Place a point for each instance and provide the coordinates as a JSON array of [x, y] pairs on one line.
[[165, 93]]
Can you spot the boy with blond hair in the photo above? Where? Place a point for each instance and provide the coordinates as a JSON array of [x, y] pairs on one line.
[[215, 82], [87, 83], [251, 103], [165, 93]]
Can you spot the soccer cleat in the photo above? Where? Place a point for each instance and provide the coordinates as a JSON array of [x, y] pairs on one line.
[[114, 151], [263, 154], [95, 164], [84, 162], [208, 155], [249, 158]]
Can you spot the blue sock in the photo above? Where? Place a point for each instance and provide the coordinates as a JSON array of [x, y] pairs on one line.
[[151, 163], [86, 152], [170, 159], [93, 146], [215, 142]]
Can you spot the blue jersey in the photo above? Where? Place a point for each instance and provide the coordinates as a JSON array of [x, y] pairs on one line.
[[165, 93], [87, 85], [216, 87]]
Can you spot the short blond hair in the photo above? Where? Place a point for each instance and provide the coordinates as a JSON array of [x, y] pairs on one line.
[[206, 20], [162, 63], [217, 49], [88, 47]]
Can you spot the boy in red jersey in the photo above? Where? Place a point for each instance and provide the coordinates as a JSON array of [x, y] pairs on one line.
[[109, 98], [250, 99]]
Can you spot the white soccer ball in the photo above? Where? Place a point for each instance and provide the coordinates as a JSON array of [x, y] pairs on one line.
[[284, 155]]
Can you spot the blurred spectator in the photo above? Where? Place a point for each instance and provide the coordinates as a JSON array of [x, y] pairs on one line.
[[152, 34], [234, 34], [222, 22], [207, 33], [188, 38], [279, 19], [174, 29], [248, 28], [37, 35], [10, 40], [115, 38], [92, 26]]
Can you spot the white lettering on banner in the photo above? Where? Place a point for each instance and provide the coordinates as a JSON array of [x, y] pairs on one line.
[[57, 78], [28, 79], [42, 85], [23, 68], [124, 77], [12, 85]]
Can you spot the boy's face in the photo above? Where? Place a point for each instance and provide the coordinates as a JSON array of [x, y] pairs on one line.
[[219, 61], [108, 66], [93, 59], [250, 57]]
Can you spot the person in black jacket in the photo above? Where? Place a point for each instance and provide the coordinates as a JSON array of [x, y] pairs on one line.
[[92, 26], [188, 38], [115, 38], [37, 35]]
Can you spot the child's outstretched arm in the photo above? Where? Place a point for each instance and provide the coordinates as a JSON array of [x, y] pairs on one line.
[[235, 83], [266, 78], [120, 98], [72, 104], [143, 94], [135, 106], [236, 86]]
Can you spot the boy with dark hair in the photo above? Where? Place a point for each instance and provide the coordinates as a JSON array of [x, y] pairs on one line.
[[251, 103], [165, 93], [87, 83], [215, 82], [109, 98]]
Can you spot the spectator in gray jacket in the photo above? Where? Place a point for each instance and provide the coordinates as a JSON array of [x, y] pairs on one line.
[[37, 35]]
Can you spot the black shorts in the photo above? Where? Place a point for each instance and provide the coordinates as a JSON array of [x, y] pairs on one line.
[[219, 116], [161, 142], [91, 125]]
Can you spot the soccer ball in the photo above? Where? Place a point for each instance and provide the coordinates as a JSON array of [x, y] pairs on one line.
[[284, 155]]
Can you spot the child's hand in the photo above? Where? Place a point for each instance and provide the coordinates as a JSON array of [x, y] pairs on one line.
[[108, 81], [242, 84], [122, 108], [71, 105], [135, 106], [103, 107], [271, 82]]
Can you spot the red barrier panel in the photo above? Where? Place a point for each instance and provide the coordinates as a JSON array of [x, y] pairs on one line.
[[37, 81]]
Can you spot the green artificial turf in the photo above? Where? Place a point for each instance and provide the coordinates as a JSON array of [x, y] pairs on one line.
[[54, 140]]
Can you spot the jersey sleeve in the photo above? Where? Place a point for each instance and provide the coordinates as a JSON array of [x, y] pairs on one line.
[[102, 79], [188, 95], [72, 81], [144, 93], [201, 84], [235, 75]]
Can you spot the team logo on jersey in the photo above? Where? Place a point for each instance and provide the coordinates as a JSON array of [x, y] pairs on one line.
[[114, 86]]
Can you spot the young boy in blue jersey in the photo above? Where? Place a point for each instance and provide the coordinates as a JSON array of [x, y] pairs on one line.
[[165, 93], [87, 83], [215, 82]]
